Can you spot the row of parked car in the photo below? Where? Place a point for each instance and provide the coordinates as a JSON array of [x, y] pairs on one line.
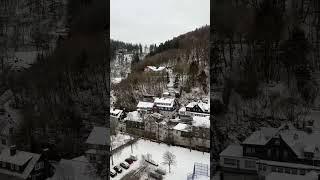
[[126, 164]]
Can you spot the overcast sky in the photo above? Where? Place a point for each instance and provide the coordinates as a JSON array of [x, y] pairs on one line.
[[155, 21]]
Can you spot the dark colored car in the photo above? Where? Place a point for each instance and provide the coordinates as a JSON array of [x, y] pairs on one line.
[[118, 169], [125, 165], [129, 161], [113, 173]]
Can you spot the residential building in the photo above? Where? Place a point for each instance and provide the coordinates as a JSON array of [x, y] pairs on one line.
[[199, 108], [165, 104], [145, 107], [134, 123], [98, 144], [18, 165], [284, 150], [116, 114]]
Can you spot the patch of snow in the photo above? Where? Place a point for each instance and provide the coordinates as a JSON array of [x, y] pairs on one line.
[[185, 158]]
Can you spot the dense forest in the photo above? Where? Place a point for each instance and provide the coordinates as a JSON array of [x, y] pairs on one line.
[[264, 62], [64, 93]]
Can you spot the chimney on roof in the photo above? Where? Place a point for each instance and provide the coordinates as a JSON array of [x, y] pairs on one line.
[[13, 150]]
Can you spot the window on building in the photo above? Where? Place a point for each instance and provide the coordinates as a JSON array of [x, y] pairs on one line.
[[3, 164], [4, 141], [287, 170], [302, 172], [39, 165], [228, 161], [269, 153], [273, 169], [285, 154], [294, 171], [280, 169], [17, 168], [12, 166], [250, 164], [264, 167]]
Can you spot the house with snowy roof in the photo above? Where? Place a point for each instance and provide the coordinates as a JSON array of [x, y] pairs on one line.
[[284, 150], [18, 165], [134, 123], [116, 114], [98, 144], [165, 104], [144, 107], [192, 109]]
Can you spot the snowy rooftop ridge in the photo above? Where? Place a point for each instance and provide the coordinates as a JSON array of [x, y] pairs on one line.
[[182, 127], [164, 101], [145, 105], [153, 68]]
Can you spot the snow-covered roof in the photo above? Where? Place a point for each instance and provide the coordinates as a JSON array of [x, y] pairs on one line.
[[205, 107], [235, 150], [164, 102], [182, 127], [298, 140], [261, 137], [145, 105], [20, 158], [115, 112], [153, 68], [201, 121], [77, 168], [133, 116], [99, 136]]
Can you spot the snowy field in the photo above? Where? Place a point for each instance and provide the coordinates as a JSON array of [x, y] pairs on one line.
[[184, 158]]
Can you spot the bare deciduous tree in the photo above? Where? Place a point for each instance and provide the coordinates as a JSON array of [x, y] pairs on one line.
[[169, 159]]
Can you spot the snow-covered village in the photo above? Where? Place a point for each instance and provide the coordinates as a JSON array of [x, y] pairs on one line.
[[160, 99]]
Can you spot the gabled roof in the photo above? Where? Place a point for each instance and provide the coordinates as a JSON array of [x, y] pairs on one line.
[[20, 158], [182, 127], [205, 107], [153, 68], [99, 136], [142, 104], [78, 169], [160, 101], [261, 137]]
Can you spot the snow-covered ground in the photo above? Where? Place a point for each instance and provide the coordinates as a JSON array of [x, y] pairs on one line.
[[184, 158]]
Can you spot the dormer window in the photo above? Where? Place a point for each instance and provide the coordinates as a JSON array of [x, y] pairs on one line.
[[308, 155]]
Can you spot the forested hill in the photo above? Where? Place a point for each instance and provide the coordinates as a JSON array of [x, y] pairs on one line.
[[187, 55], [66, 89]]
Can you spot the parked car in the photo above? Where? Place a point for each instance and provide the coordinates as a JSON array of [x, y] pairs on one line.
[[155, 175], [113, 173], [118, 169], [160, 171], [129, 161], [125, 165]]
